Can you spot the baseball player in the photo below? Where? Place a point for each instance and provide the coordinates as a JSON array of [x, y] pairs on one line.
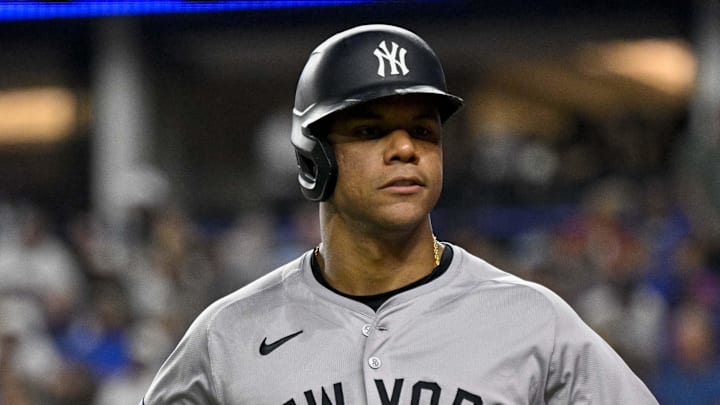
[[380, 312]]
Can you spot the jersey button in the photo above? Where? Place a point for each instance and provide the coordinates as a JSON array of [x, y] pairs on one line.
[[374, 362], [366, 329]]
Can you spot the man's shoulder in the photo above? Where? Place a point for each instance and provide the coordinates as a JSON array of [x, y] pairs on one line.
[[487, 277], [519, 299], [254, 298]]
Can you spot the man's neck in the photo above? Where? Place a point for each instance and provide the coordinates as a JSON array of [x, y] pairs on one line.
[[363, 263]]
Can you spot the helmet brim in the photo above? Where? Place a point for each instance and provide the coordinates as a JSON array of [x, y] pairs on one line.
[[448, 104]]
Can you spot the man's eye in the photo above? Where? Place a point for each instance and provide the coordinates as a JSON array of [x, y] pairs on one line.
[[369, 132], [423, 133]]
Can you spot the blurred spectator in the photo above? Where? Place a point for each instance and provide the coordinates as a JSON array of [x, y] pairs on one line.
[[12, 387], [96, 339], [691, 373], [563, 266], [596, 239], [627, 313], [692, 279], [29, 362], [179, 253], [100, 252], [71, 385], [244, 249], [264, 239], [619, 305], [38, 263], [150, 345], [664, 221]]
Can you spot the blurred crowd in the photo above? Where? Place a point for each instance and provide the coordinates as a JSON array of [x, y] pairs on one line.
[[87, 314]]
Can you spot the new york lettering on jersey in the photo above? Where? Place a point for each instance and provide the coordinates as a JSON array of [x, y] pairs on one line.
[[420, 392]]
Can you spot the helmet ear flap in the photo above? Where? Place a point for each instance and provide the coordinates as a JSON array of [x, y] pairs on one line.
[[317, 170]]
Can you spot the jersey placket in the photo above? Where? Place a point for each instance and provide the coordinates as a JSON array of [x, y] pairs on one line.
[[377, 366]]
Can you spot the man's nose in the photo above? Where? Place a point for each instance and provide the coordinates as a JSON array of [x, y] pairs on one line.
[[400, 147]]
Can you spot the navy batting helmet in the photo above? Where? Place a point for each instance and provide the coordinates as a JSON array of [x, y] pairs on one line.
[[353, 67]]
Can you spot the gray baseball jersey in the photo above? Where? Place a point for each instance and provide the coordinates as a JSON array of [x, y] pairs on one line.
[[475, 335]]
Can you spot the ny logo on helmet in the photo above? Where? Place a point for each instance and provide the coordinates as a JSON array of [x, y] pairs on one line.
[[393, 57]]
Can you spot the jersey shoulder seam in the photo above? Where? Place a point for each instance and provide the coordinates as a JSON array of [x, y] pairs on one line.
[[233, 298]]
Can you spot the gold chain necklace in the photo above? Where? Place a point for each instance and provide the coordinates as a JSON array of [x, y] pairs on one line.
[[436, 251]]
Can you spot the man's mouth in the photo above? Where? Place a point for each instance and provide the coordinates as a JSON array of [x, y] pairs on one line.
[[404, 184]]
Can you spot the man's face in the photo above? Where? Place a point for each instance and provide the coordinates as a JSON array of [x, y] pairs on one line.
[[389, 156]]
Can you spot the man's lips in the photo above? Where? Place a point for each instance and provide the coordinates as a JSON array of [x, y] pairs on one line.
[[403, 184]]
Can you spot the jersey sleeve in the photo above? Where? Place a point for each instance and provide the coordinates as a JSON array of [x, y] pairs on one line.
[[584, 369], [186, 376]]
